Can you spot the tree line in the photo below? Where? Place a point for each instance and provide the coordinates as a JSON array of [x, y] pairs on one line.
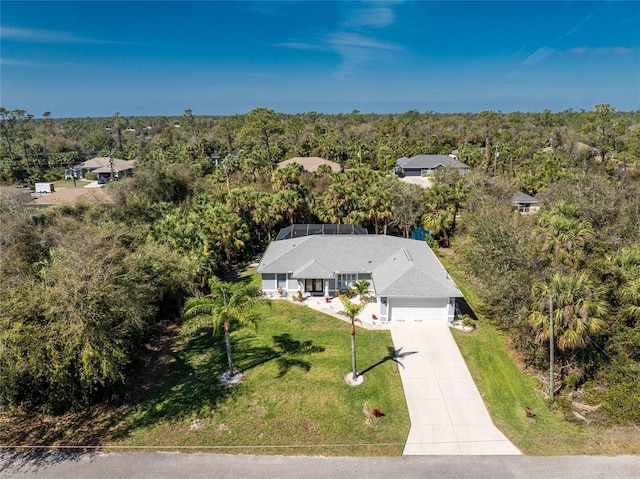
[[493, 141], [83, 287]]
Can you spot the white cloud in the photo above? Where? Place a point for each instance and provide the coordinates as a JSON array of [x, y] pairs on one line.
[[355, 49], [602, 51], [46, 36], [377, 16], [20, 63], [297, 45], [355, 40], [539, 55]]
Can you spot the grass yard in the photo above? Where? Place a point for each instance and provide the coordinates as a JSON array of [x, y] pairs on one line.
[[293, 401], [507, 391]]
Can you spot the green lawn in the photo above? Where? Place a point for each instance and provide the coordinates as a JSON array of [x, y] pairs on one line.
[[507, 391], [293, 401]]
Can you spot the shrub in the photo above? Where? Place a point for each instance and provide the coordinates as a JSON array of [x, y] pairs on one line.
[[91, 176], [431, 242], [467, 321], [53, 175]]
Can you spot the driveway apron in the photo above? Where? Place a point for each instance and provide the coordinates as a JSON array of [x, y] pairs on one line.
[[448, 416]]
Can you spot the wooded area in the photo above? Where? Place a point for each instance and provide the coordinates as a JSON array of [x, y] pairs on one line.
[[84, 286]]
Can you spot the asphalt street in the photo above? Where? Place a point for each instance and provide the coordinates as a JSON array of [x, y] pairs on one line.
[[157, 465]]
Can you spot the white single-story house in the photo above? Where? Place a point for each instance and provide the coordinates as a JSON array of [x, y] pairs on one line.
[[422, 165], [524, 203], [408, 281], [102, 167]]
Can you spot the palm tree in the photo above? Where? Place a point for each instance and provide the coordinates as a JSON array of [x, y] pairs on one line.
[[441, 211], [564, 234], [264, 214], [288, 203], [351, 310], [361, 287], [579, 310], [459, 192], [626, 270], [228, 304]]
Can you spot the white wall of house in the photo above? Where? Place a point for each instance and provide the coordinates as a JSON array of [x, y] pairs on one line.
[[272, 282], [390, 309], [269, 282]]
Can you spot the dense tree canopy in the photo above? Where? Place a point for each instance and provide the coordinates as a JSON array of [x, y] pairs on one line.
[[83, 286]]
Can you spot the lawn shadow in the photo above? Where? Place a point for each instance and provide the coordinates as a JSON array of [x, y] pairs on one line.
[[175, 380], [392, 355], [189, 385], [286, 352]]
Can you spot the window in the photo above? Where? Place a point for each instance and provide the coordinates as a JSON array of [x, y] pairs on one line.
[[346, 280], [524, 207], [282, 281]]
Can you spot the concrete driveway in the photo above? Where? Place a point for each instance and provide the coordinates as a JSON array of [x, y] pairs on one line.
[[448, 416]]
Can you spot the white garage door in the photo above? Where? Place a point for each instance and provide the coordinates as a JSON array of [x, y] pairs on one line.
[[417, 309]]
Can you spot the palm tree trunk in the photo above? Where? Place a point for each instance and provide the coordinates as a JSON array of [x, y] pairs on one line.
[[227, 340], [353, 351]]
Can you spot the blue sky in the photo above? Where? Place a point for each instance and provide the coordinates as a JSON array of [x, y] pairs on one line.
[[90, 58]]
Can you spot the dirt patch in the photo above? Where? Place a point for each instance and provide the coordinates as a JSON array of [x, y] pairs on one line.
[[153, 360]]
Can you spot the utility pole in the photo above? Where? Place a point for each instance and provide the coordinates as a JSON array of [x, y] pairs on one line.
[[551, 351]]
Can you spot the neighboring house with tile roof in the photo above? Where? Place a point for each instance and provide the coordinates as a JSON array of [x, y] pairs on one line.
[[422, 165], [407, 279], [311, 163], [102, 167], [524, 203]]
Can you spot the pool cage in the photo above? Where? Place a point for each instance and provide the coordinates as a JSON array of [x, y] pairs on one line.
[[297, 231]]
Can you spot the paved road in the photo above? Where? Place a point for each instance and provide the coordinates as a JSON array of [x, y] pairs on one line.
[[446, 410], [61, 465]]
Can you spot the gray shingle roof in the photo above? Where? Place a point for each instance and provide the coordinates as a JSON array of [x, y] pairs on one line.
[[398, 266], [430, 162], [520, 197]]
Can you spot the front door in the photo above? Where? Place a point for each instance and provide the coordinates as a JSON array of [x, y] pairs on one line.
[[313, 286]]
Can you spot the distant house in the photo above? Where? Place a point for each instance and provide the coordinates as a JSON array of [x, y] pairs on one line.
[[407, 279], [422, 165], [102, 168], [311, 163], [524, 203]]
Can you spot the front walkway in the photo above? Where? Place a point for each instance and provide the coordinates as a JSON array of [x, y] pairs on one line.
[[448, 416], [334, 307]]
